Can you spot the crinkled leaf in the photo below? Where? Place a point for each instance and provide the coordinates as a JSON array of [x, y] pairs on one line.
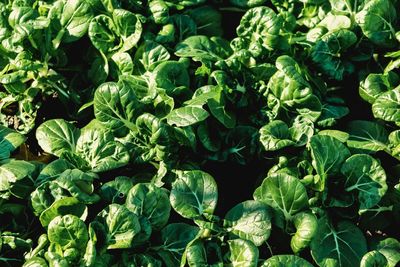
[[387, 106], [149, 55], [115, 191], [68, 231], [151, 202], [374, 85], [121, 226], [116, 106], [242, 253], [373, 258], [186, 116], [16, 178], [306, 226], [250, 220], [390, 248], [98, 148], [275, 135]]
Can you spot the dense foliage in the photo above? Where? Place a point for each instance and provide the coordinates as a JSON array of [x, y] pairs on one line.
[[126, 124]]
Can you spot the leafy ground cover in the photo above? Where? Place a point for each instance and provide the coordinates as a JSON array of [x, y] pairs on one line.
[[199, 133]]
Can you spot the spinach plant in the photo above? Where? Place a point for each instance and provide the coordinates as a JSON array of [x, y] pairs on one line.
[[199, 133]]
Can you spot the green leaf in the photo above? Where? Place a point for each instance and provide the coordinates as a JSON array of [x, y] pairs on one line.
[[68, 231], [172, 76], [250, 220], [149, 55], [373, 258], [328, 155], [151, 202], [275, 135], [377, 20], [128, 28], [327, 53], [193, 194], [394, 143], [9, 141], [35, 262], [339, 135], [52, 170], [390, 248], [121, 226], [116, 106], [16, 178], [61, 207], [195, 254], [208, 20], [343, 243], [366, 177], [261, 21], [102, 33], [374, 85], [78, 184], [220, 112], [174, 239], [208, 138], [56, 136], [285, 260], [115, 191], [122, 64], [367, 136], [242, 253], [186, 116], [387, 106], [74, 17], [97, 147], [306, 226], [284, 193], [198, 47]]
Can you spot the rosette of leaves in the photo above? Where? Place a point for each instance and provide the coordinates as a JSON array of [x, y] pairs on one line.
[[90, 148]]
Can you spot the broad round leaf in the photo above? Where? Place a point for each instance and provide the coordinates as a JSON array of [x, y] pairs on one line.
[[366, 177], [343, 243], [284, 193], [68, 231], [250, 220], [175, 238], [56, 136], [242, 253], [193, 194]]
